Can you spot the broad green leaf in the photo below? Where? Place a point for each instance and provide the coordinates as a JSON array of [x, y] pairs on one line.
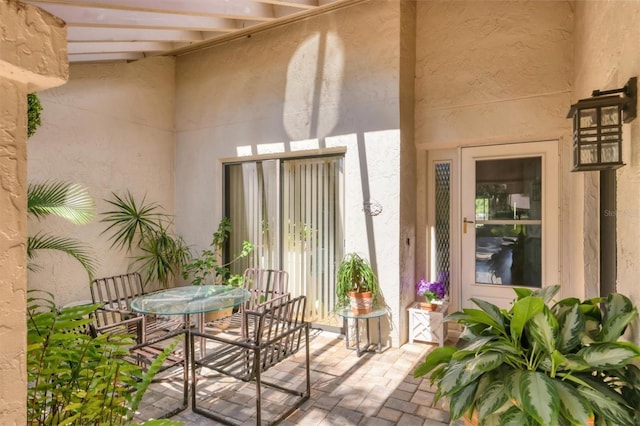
[[543, 329], [515, 417], [608, 355], [606, 405], [539, 397], [521, 293], [462, 400], [614, 326], [547, 293], [572, 404], [574, 362], [512, 386], [478, 343], [571, 327], [492, 420], [503, 346], [433, 359], [493, 311], [485, 362], [565, 305], [472, 317], [616, 304], [491, 399], [523, 310], [452, 377]]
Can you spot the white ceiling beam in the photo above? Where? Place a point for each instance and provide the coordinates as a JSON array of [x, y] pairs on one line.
[[106, 57], [235, 9], [301, 4], [117, 47], [73, 15], [130, 34]]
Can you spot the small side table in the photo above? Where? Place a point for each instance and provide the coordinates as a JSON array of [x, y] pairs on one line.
[[427, 326], [376, 313]]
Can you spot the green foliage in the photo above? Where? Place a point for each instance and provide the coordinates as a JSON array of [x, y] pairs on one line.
[[33, 113], [138, 227], [69, 201], [355, 274], [75, 379], [541, 363], [207, 267]]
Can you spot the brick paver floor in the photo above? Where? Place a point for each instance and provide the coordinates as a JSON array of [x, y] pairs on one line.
[[374, 389]]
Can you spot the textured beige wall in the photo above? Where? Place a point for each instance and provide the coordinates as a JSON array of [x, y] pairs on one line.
[[32, 57], [110, 128], [608, 54], [332, 79], [492, 72]]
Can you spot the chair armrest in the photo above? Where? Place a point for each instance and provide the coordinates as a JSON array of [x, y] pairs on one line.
[[112, 328], [275, 301]]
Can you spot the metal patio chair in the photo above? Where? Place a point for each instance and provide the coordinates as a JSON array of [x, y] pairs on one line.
[[272, 333]]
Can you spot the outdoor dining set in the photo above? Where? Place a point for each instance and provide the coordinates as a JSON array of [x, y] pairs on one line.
[[270, 326]]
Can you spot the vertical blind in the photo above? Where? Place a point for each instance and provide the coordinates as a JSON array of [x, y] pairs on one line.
[[291, 210]]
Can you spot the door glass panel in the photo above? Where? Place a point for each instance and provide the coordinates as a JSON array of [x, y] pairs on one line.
[[509, 254], [443, 223], [508, 212]]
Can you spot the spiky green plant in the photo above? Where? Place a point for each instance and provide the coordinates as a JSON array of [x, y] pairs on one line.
[[69, 201], [144, 232], [355, 274], [540, 363]]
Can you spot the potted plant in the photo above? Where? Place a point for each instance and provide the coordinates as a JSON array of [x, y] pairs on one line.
[[541, 363], [208, 268], [433, 292], [357, 284]]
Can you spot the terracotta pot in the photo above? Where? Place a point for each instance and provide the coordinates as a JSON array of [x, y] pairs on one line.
[[428, 306], [216, 315], [360, 302]]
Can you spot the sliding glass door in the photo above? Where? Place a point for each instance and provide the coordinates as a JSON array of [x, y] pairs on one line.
[[291, 210]]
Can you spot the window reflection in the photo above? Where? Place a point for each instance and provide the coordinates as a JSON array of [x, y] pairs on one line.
[[508, 221]]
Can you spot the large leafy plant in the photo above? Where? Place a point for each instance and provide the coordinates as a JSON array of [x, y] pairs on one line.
[[77, 379], [145, 232], [541, 363]]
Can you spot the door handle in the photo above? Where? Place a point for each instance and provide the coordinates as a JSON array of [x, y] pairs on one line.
[[464, 227]]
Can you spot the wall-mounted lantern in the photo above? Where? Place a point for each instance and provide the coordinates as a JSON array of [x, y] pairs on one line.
[[597, 127]]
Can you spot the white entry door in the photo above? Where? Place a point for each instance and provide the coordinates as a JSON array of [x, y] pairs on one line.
[[509, 220]]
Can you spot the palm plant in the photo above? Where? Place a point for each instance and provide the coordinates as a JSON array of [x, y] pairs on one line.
[[540, 363], [68, 201], [139, 227]]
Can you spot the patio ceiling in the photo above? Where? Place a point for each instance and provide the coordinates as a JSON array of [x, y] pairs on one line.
[[126, 30]]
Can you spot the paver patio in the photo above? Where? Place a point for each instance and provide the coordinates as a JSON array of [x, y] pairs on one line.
[[374, 389]]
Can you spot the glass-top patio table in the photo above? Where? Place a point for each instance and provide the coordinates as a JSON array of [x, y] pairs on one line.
[[187, 301]]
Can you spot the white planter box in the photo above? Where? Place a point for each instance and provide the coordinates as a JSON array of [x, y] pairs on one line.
[[427, 326]]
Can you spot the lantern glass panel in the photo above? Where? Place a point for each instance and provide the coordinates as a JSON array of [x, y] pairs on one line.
[[610, 116], [589, 154], [610, 152], [588, 118]]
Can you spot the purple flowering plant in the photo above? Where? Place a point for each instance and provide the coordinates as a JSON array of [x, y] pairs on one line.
[[432, 291]]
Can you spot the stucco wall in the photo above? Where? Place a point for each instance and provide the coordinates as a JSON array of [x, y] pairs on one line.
[[606, 56], [32, 57], [111, 128], [333, 80], [495, 72]]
